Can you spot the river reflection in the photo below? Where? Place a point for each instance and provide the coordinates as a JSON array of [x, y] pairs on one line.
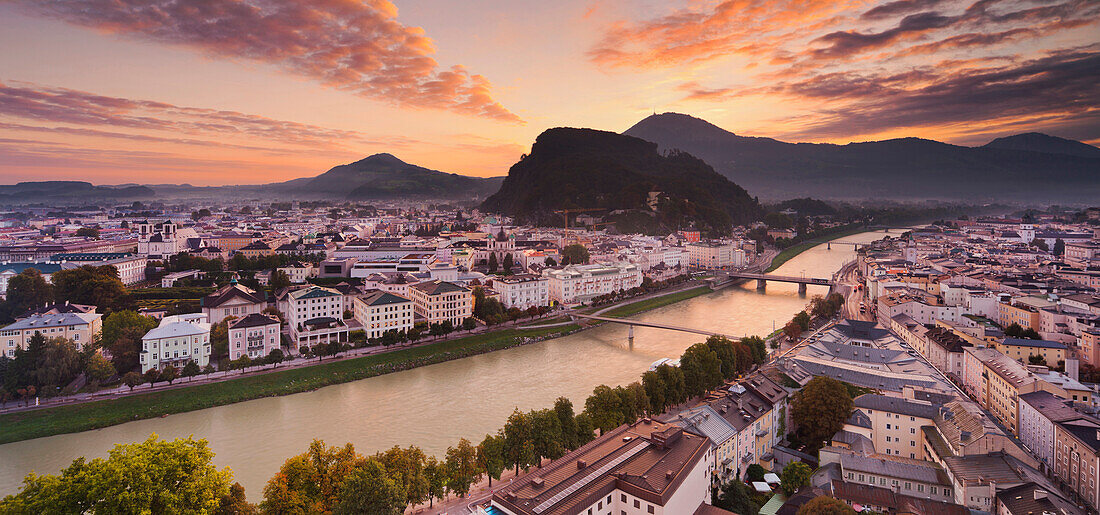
[[434, 406]]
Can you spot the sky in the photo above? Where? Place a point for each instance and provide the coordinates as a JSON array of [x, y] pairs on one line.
[[212, 92]]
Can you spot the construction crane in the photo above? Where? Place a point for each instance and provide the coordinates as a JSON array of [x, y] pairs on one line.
[[565, 213]]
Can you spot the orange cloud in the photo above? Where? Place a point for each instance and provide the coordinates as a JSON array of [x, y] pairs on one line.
[[352, 45]]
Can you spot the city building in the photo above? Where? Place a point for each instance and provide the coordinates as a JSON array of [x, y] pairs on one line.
[[523, 290], [177, 340], [234, 300], [1021, 349], [440, 301], [714, 254], [314, 314], [81, 328], [254, 335], [130, 267], [574, 284], [646, 468], [381, 311]]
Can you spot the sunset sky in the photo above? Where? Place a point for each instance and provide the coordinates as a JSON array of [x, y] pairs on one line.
[[254, 91]]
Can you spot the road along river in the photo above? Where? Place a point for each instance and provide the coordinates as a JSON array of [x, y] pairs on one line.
[[433, 406]]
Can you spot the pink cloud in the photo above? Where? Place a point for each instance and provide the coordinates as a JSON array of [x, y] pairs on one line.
[[351, 45]]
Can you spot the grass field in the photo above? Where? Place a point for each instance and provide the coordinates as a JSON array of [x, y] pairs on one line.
[[794, 250], [655, 302], [98, 414]]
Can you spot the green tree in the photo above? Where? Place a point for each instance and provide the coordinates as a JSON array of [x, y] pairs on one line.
[[493, 264], [437, 479], [702, 370], [1059, 247], [756, 345], [563, 409], [727, 357], [490, 457], [94, 285], [98, 369], [190, 370], [406, 465], [153, 476], [122, 333], [819, 409], [508, 262], [462, 467], [675, 387], [1040, 244], [803, 320], [825, 505], [792, 330], [58, 363], [519, 448], [605, 408], [550, 262], [275, 357], [26, 290], [755, 472], [735, 496], [586, 430], [311, 482], [151, 376], [169, 373], [546, 435], [1014, 330], [575, 254], [88, 232], [655, 390], [219, 339], [235, 503], [1030, 334], [369, 489], [279, 280], [795, 476], [132, 379], [469, 324]]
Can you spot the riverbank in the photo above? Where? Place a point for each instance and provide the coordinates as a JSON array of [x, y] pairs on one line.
[[85, 416], [794, 250], [99, 414]]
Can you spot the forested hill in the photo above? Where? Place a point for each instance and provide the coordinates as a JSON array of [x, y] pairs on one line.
[[626, 178]]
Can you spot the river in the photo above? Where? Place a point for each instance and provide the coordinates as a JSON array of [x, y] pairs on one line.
[[434, 406]]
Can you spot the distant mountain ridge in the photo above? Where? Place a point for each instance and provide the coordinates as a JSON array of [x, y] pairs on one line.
[[384, 176], [70, 190], [624, 177], [1023, 167]]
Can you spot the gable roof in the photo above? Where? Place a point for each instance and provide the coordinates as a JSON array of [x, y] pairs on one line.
[[253, 320], [229, 292]]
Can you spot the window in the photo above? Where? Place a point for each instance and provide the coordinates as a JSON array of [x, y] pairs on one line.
[[650, 508], [622, 497]]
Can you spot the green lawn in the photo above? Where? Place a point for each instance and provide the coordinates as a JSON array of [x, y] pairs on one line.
[[98, 414], [794, 250], [655, 302]]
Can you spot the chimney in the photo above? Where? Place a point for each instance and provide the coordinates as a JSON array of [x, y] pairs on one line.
[[1040, 494], [1073, 368]]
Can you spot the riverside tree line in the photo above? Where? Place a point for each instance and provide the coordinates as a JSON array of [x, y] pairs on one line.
[[154, 474]]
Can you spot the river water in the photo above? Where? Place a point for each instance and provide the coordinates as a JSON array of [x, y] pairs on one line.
[[434, 406]]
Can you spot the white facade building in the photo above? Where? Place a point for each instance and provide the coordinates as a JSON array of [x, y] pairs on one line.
[[177, 340], [523, 290], [579, 283], [382, 311]]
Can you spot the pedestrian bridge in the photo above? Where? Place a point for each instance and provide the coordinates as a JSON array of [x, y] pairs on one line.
[[654, 325], [762, 279]]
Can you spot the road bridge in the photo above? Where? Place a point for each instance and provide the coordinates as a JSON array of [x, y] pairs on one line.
[[762, 279], [654, 325]]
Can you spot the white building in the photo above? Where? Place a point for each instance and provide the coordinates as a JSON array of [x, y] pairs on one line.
[[439, 301], [579, 283], [523, 290], [314, 314], [177, 340], [382, 311], [706, 254]]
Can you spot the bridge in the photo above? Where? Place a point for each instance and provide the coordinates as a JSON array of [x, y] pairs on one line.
[[762, 279], [654, 325]]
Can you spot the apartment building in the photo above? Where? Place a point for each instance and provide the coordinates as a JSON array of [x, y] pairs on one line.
[[1021, 349], [893, 424], [314, 315], [382, 311], [523, 290], [575, 284], [1039, 412], [997, 382], [130, 267], [254, 335], [81, 328], [714, 254], [177, 340], [1077, 457], [440, 301]]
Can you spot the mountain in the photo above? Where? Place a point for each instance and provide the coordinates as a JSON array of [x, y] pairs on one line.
[[1039, 142], [906, 168], [383, 176], [589, 169], [79, 191]]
